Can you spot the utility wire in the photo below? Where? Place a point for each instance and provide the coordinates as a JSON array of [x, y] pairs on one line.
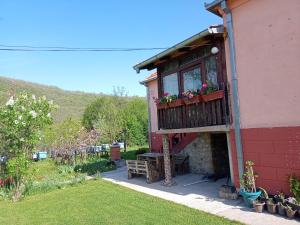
[[28, 48]]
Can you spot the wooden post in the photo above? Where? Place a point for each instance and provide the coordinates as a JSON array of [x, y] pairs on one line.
[[167, 162]]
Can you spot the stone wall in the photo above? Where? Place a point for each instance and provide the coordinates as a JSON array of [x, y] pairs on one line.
[[200, 154]]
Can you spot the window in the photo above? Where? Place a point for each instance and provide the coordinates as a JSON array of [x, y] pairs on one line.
[[211, 70], [192, 79], [170, 84]]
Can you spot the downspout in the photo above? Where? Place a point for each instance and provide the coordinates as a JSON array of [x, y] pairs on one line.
[[234, 82], [149, 118]]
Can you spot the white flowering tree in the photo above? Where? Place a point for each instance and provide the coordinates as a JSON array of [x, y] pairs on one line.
[[21, 122]]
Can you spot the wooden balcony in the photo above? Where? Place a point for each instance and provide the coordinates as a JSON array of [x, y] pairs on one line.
[[195, 114]]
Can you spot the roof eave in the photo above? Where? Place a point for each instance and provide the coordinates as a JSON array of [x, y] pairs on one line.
[[211, 7], [204, 33]]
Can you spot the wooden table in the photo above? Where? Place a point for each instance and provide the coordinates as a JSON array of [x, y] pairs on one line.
[[157, 160]]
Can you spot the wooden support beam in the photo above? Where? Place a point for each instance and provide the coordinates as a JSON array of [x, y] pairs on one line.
[[167, 162], [212, 129]]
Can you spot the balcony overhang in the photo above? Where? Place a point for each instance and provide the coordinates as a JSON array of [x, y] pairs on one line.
[[195, 41], [208, 129]]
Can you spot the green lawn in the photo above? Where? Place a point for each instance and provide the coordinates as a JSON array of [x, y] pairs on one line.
[[101, 202]]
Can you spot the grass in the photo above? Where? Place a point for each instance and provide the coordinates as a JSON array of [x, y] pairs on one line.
[[101, 202]]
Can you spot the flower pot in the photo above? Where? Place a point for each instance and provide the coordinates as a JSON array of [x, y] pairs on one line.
[[249, 197], [162, 106], [290, 213], [258, 206], [194, 100], [271, 207], [281, 209], [175, 103], [213, 96]]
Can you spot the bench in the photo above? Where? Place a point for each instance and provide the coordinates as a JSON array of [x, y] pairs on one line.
[[141, 167]]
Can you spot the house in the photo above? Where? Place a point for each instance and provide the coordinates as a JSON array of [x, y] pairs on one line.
[[254, 60]]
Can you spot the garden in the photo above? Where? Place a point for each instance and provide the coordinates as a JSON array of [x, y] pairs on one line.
[[258, 197], [27, 129]]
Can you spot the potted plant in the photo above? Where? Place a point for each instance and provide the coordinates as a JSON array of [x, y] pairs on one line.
[[191, 97], [271, 206], [258, 205], [295, 189], [248, 190], [210, 92], [281, 208], [281, 204], [167, 101], [290, 212]]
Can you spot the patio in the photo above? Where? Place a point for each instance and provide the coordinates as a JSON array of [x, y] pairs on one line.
[[190, 190]]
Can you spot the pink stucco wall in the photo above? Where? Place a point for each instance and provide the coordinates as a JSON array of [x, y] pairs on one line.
[[267, 41], [153, 92]]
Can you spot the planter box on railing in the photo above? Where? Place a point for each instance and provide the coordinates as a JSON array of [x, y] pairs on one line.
[[162, 106], [194, 100], [213, 96], [176, 103]]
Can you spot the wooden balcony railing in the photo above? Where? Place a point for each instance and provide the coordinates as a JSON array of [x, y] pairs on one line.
[[195, 113]]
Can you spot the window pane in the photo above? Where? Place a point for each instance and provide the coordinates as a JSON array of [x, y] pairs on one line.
[[211, 70], [192, 80], [170, 84]]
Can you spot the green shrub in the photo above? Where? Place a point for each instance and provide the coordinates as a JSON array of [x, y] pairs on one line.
[[94, 167]]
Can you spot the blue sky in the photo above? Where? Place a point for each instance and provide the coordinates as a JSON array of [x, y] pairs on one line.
[[93, 23]]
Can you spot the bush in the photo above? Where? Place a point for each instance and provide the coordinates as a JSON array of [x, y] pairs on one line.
[[94, 167]]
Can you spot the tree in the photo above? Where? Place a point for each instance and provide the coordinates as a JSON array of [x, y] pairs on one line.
[[21, 122], [68, 137], [109, 122]]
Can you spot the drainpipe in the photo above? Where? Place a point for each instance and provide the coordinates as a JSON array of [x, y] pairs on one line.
[[149, 117], [237, 130]]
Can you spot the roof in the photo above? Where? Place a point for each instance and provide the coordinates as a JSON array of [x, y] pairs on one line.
[[212, 7], [192, 42], [152, 77]]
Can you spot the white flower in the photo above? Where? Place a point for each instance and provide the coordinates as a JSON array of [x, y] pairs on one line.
[[22, 108], [49, 115], [33, 113], [44, 98], [22, 139], [33, 97], [10, 102], [16, 121], [20, 117], [51, 102]]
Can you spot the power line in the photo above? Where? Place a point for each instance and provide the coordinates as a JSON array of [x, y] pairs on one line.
[[28, 48]]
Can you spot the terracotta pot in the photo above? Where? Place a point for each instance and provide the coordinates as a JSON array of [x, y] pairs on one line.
[[258, 206], [175, 103], [162, 106], [213, 96], [271, 207], [193, 100], [290, 213]]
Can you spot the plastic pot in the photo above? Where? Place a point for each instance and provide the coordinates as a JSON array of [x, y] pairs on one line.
[[290, 213], [249, 197], [258, 206], [271, 207], [281, 209]]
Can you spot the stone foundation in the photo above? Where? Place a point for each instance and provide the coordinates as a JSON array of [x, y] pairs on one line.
[[200, 154]]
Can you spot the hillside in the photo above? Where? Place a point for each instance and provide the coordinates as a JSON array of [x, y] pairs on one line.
[[72, 103]]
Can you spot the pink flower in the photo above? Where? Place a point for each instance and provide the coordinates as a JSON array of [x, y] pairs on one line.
[[204, 85], [166, 94]]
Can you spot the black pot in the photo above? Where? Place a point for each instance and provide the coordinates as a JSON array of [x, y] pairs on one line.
[[281, 208]]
